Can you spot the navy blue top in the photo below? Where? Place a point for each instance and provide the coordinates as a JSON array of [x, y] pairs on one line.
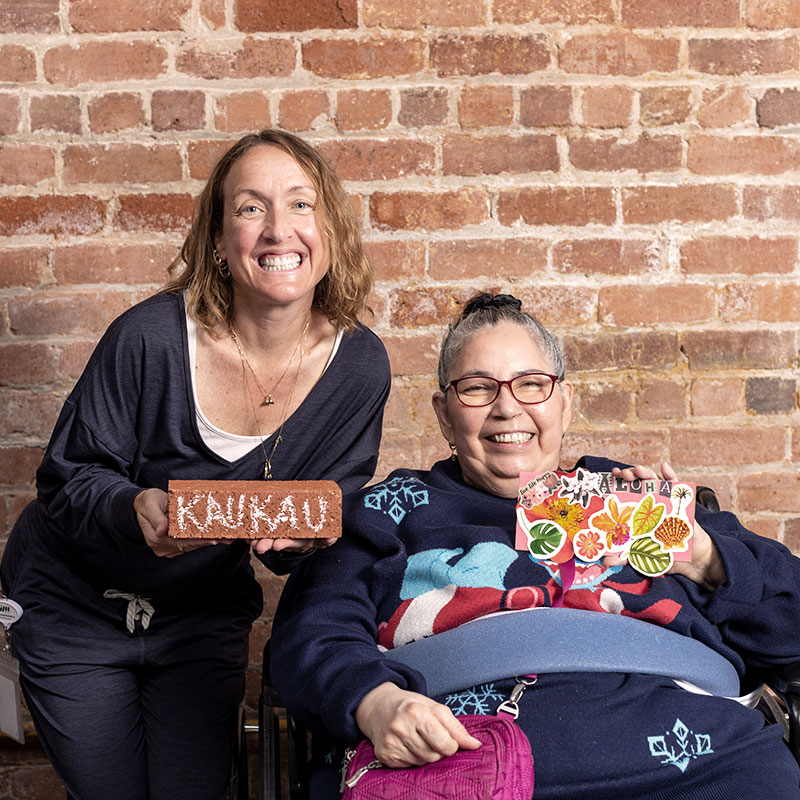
[[130, 424]]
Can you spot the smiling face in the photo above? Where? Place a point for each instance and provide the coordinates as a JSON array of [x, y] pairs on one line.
[[271, 234], [497, 442]]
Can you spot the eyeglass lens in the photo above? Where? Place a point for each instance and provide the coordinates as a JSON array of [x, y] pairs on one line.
[[480, 390]]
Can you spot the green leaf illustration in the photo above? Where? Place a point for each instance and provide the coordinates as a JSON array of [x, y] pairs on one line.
[[547, 539], [648, 558], [646, 517]]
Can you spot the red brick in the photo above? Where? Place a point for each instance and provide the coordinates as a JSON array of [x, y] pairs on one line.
[[98, 16], [409, 406], [56, 112], [485, 106], [10, 114], [213, 13], [753, 155], [769, 491], [65, 314], [791, 535], [613, 154], [741, 56], [568, 12], [598, 352], [423, 106], [778, 107], [724, 106], [601, 256], [397, 261], [650, 305], [116, 111], [551, 304], [491, 155], [26, 413], [403, 451], [96, 262], [74, 357], [103, 61], [482, 55], [366, 58], [204, 154], [419, 308], [22, 266], [770, 396], [545, 106], [687, 14], [57, 215], [121, 163], [607, 106], [739, 255], [369, 159], [603, 402], [428, 211], [738, 349], [26, 164], [17, 64], [178, 110], [251, 58], [303, 111], [557, 206], [664, 105], [630, 447], [30, 16], [162, 213], [363, 109], [24, 365], [771, 202], [796, 444], [239, 112], [416, 14], [619, 53], [289, 16], [18, 465], [661, 399], [768, 527], [747, 302], [414, 355], [725, 446], [650, 204], [466, 259], [716, 397], [772, 14]]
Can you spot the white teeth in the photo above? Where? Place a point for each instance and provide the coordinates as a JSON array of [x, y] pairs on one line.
[[287, 261], [511, 438]]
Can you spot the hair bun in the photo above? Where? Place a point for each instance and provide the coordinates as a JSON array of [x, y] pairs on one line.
[[486, 300]]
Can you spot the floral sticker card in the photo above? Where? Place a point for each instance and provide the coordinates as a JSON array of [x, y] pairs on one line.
[[588, 515]]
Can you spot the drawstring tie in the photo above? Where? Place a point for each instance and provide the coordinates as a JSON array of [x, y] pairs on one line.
[[139, 608]]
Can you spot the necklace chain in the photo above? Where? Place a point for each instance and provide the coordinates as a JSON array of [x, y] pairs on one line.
[[268, 401], [279, 437]]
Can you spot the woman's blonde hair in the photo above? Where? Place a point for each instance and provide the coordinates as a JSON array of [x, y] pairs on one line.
[[342, 293]]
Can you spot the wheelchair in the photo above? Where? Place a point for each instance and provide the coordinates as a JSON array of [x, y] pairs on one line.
[[283, 742]]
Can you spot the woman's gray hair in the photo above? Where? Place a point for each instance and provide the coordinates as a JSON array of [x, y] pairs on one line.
[[484, 311]]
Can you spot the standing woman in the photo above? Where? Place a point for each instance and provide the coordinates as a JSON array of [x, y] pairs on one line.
[[250, 365]]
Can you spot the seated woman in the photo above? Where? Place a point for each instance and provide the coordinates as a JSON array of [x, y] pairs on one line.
[[427, 551]]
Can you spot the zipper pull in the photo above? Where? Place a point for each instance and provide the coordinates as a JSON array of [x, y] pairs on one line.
[[359, 774], [349, 753]]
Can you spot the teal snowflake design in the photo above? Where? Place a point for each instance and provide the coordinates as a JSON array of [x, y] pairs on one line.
[[477, 700], [396, 497], [684, 750]]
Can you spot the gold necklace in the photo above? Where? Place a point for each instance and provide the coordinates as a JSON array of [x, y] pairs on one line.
[[268, 401], [278, 438]]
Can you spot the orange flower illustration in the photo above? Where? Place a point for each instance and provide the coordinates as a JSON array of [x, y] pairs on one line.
[[615, 523], [588, 545], [567, 515]]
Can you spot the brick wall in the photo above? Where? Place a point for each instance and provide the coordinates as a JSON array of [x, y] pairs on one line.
[[630, 168]]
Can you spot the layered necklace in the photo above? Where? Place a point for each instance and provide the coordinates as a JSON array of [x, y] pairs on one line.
[[268, 401]]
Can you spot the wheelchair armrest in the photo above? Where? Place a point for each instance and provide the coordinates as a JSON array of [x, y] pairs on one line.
[[784, 680]]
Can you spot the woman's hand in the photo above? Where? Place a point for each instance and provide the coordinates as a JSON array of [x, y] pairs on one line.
[[408, 729], [289, 545], [151, 512], [705, 568]]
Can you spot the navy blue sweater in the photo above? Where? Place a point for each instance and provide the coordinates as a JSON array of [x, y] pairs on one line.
[[423, 552], [130, 424]]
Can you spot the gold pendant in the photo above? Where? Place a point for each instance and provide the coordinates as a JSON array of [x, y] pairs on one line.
[[268, 401]]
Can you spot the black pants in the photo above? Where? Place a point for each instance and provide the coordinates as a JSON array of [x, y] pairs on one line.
[[148, 715]]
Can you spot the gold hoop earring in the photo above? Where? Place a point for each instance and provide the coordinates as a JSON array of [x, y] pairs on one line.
[[222, 264], [453, 454]]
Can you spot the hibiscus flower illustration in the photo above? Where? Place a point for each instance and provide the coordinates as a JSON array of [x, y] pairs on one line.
[[614, 522], [566, 514]]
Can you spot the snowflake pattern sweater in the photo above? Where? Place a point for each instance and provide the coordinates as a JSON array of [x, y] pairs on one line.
[[423, 552]]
